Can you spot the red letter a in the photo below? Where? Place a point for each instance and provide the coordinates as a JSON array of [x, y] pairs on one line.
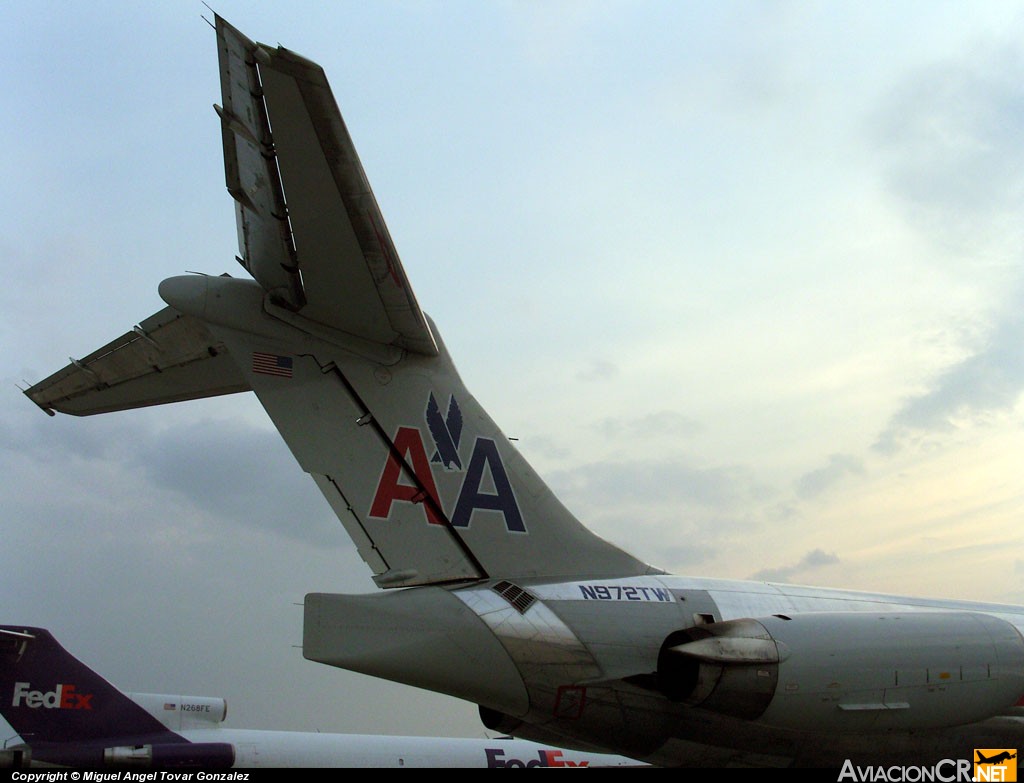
[[409, 444]]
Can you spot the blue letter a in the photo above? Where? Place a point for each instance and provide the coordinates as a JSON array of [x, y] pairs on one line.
[[485, 452]]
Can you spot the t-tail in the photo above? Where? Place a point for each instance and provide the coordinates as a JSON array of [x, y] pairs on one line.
[[66, 714], [332, 340], [357, 380]]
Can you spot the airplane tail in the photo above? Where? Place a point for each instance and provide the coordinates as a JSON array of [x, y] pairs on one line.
[[423, 480], [65, 713], [48, 695], [332, 340]]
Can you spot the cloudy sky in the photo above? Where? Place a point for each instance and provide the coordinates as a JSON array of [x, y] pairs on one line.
[[744, 279]]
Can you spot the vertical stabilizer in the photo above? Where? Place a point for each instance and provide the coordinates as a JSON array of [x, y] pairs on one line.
[[49, 696], [424, 481], [333, 341]]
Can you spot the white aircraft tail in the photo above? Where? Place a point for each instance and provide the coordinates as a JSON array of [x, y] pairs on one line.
[[331, 338], [421, 477]]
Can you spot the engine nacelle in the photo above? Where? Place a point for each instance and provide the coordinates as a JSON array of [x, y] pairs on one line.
[[848, 671], [182, 712]]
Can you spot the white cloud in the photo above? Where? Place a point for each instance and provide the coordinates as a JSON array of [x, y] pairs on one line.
[[812, 561]]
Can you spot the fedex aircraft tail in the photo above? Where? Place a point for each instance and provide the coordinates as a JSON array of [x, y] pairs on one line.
[[67, 714], [332, 340]]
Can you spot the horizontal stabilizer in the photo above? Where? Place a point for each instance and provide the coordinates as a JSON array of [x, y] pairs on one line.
[[168, 357], [309, 228], [264, 234]]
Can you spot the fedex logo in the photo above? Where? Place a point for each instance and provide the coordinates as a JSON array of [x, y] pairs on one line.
[[485, 484], [64, 697], [545, 758]]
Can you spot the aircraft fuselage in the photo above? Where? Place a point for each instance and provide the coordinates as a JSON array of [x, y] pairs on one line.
[[700, 671]]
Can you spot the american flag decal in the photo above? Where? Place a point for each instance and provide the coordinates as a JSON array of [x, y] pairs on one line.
[[272, 364]]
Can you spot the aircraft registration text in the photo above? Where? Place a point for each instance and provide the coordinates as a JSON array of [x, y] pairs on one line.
[[624, 593]]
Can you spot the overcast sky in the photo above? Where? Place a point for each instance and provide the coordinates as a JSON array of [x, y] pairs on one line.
[[744, 279]]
